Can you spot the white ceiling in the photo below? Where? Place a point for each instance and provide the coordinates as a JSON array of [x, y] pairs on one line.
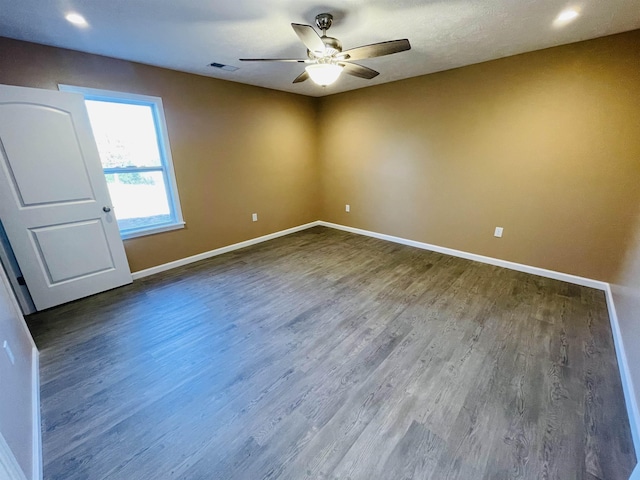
[[188, 35]]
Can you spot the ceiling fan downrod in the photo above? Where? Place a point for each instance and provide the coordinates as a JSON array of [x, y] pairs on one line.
[[323, 22]]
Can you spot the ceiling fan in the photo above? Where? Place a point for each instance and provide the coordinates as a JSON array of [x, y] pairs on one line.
[[325, 58]]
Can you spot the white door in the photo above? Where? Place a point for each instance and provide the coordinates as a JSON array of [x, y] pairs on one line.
[[54, 201]]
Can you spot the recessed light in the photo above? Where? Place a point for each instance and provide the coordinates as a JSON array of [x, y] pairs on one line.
[[76, 19], [566, 16]]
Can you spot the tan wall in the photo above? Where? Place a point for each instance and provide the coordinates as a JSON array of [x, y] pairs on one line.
[[236, 149], [545, 144]]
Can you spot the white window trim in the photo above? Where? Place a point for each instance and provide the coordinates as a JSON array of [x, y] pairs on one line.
[[165, 147], [152, 230]]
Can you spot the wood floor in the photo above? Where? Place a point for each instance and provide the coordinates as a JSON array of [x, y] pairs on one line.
[[326, 355]]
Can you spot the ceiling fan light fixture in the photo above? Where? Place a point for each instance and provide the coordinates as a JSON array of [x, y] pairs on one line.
[[324, 74]]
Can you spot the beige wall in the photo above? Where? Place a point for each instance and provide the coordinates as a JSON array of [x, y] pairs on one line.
[[545, 144], [236, 149]]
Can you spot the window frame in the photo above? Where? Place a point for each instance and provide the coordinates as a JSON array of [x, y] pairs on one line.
[[166, 160]]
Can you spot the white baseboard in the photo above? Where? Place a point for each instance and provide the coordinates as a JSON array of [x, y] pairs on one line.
[[627, 383], [219, 251], [632, 406], [586, 282], [37, 429], [9, 467], [565, 277]]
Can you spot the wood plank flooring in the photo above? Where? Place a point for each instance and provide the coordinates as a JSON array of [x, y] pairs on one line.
[[326, 355]]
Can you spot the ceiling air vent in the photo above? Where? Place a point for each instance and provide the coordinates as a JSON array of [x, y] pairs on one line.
[[222, 66]]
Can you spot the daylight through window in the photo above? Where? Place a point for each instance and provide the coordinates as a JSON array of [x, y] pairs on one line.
[[131, 137]]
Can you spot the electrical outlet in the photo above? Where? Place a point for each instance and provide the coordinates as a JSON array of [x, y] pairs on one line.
[[254, 217], [347, 208], [7, 350], [498, 232]]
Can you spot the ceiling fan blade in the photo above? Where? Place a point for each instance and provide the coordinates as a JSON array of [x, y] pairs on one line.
[[295, 60], [375, 50], [302, 77], [359, 70], [309, 37]]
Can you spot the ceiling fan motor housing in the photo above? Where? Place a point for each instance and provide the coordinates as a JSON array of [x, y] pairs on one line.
[[332, 46]]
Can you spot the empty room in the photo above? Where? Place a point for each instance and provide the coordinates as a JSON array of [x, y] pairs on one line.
[[289, 240]]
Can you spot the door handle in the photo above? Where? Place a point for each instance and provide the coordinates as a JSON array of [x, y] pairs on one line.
[[106, 209]]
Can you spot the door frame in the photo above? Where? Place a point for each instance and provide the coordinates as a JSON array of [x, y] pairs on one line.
[[12, 270]]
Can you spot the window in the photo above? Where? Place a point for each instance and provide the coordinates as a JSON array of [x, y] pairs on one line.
[[133, 144]]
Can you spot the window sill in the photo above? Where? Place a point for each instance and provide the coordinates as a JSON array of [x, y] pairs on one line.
[[152, 230]]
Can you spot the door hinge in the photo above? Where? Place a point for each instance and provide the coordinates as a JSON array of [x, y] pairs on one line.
[[21, 280]]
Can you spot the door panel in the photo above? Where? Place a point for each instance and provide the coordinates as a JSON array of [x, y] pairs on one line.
[[45, 167], [86, 239], [52, 194]]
